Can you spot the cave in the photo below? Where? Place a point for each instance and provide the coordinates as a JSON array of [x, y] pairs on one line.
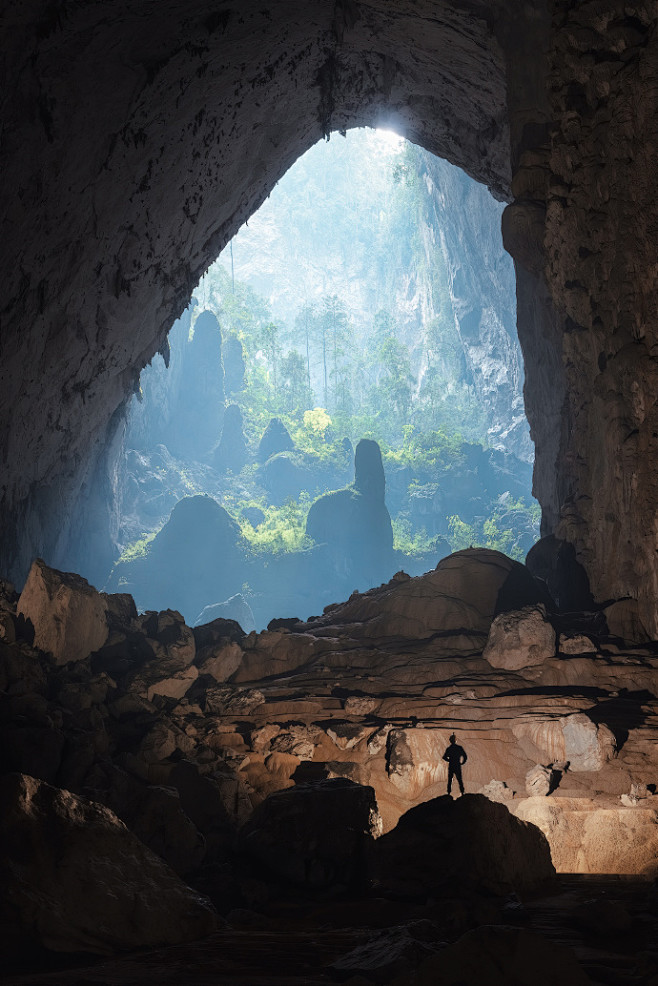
[[137, 138]]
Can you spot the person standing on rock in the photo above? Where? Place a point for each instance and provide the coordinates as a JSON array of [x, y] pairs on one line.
[[455, 756]]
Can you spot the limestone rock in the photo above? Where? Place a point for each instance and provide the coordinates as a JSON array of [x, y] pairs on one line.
[[314, 835], [276, 438], [587, 838], [497, 791], [468, 842], [587, 746], [222, 661], [76, 880], [538, 781], [576, 644], [231, 452], [520, 639], [461, 596], [273, 652], [574, 739], [415, 759], [623, 619], [360, 705], [347, 735], [68, 615]]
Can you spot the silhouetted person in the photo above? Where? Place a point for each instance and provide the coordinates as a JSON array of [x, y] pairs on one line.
[[455, 756]]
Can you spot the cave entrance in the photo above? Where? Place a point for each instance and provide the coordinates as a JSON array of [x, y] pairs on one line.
[[368, 306]]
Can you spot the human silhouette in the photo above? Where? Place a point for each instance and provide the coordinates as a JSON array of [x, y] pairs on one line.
[[455, 756]]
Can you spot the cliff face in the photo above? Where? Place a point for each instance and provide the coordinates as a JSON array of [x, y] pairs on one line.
[[463, 224]]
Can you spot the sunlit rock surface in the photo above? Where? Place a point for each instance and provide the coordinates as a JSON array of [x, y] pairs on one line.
[[369, 692]]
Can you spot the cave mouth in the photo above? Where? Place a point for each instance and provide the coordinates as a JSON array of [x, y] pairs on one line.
[[341, 400]]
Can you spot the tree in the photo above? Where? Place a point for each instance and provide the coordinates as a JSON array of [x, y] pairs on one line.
[[295, 392]]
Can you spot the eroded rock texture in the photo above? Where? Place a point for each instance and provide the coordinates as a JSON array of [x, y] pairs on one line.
[[582, 230], [136, 140]]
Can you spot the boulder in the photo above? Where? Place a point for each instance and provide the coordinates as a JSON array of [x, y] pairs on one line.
[[623, 619], [313, 835], [587, 746], [68, 615], [520, 639], [222, 661], [538, 781], [461, 596], [468, 843], [587, 838], [415, 759], [497, 791], [75, 879], [496, 955], [574, 740], [276, 438]]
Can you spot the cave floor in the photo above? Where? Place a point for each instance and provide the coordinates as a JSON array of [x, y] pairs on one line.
[[298, 949]]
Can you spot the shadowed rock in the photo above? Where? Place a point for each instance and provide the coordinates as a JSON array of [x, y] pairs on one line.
[[76, 879], [471, 842]]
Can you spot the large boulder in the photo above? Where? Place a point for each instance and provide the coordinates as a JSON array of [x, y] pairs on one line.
[[574, 739], [462, 595], [276, 438], [196, 559], [313, 835], [415, 759], [586, 837], [75, 879], [520, 639], [68, 615], [468, 843]]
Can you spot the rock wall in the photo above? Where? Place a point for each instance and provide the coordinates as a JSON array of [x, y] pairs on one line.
[[136, 139], [583, 227]]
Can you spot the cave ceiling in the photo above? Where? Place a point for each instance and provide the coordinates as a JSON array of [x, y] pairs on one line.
[[138, 136]]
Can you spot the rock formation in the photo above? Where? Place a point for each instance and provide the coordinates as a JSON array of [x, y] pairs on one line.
[[190, 562], [115, 203], [189, 735], [275, 439], [355, 523], [231, 452]]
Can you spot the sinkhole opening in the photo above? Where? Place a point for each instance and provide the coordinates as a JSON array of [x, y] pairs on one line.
[[341, 401]]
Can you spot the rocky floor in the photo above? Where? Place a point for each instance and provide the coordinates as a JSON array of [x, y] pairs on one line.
[[293, 948], [261, 767]]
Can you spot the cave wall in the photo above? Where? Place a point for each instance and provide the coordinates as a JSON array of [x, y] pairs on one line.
[[137, 137]]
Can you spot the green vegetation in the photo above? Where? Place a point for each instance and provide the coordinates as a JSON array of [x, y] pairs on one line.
[[282, 530], [334, 368], [138, 549]]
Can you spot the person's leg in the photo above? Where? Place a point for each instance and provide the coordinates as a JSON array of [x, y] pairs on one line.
[[450, 776], [458, 775]]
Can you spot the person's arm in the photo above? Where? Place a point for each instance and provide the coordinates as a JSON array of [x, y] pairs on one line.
[[445, 755], [464, 755]]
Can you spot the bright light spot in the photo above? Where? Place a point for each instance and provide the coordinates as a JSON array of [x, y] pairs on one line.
[[388, 140]]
